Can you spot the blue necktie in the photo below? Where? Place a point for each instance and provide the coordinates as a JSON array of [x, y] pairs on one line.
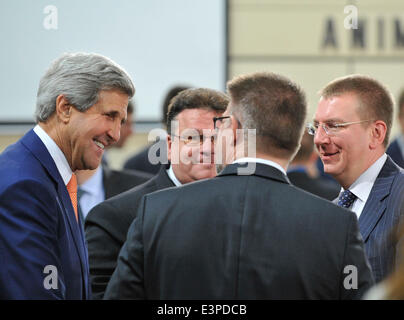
[[346, 199]]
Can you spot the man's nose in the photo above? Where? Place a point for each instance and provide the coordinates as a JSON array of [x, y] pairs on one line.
[[208, 144], [115, 132], [321, 136]]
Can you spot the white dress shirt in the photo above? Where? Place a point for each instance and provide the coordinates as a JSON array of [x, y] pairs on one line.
[[57, 155], [172, 176], [263, 161], [93, 192], [362, 187]]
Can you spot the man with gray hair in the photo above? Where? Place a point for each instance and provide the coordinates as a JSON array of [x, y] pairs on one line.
[[81, 103]]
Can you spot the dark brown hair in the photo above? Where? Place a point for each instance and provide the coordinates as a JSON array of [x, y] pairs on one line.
[[171, 94], [306, 148], [131, 106], [196, 98]]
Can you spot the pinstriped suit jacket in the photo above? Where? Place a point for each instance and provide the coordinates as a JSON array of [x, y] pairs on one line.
[[380, 216]]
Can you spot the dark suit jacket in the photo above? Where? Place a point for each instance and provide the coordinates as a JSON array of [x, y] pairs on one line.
[[118, 181], [382, 212], [38, 227], [318, 186], [239, 237], [394, 152], [107, 225]]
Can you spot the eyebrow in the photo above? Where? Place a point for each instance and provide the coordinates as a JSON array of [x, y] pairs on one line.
[[332, 120], [115, 114]]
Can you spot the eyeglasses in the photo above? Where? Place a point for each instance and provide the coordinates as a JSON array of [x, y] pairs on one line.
[[220, 124], [195, 140], [330, 128]]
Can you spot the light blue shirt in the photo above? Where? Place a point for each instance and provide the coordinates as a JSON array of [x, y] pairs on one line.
[[93, 192], [172, 176]]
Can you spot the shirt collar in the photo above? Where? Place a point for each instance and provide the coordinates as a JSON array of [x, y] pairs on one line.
[[263, 161], [94, 184], [172, 176], [57, 155], [364, 184]]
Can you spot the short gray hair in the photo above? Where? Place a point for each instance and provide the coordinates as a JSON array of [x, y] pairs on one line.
[[79, 77]]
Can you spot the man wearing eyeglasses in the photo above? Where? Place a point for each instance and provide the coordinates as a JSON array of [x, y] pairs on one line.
[[191, 156], [244, 236], [351, 130]]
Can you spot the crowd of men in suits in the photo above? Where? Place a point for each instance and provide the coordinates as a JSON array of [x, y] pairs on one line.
[[220, 219]]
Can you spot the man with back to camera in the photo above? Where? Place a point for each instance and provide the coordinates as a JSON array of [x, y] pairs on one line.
[[351, 130], [81, 104], [239, 235], [191, 156]]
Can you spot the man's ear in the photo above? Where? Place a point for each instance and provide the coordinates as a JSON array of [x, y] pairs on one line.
[[234, 126], [378, 133], [63, 108], [169, 142]]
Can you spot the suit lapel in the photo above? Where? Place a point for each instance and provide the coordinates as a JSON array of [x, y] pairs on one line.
[[162, 180], [377, 201], [38, 149]]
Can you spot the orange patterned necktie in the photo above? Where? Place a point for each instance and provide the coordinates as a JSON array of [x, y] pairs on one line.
[[72, 189]]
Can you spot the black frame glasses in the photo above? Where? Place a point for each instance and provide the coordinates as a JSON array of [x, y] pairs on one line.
[[215, 119]]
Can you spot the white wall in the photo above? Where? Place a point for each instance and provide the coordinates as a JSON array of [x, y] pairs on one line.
[[159, 42]]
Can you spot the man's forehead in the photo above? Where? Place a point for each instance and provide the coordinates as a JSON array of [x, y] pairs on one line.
[[197, 119], [337, 107]]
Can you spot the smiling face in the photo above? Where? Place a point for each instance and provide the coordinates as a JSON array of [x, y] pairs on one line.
[[193, 162], [349, 152], [88, 133]]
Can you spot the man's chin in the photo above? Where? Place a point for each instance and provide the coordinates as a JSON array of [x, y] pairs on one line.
[[330, 169], [91, 165], [205, 171]]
